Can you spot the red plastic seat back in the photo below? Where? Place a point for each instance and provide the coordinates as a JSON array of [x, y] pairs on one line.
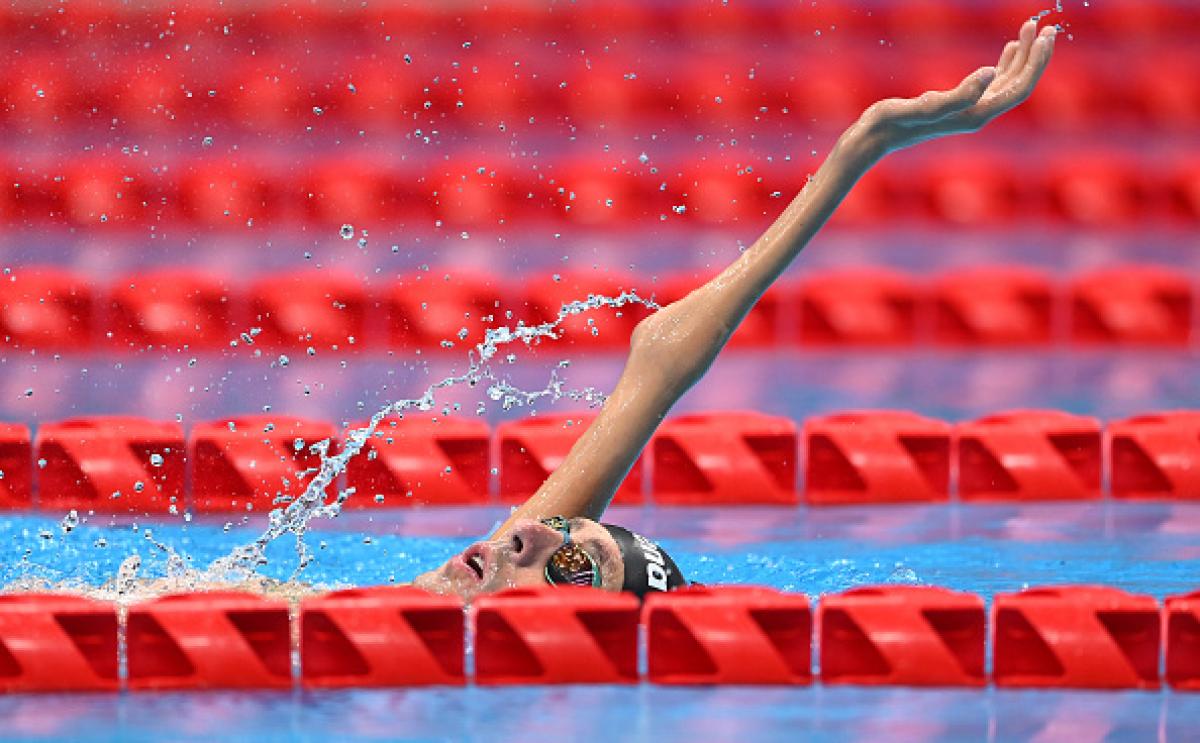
[[111, 465], [876, 457], [532, 448], [429, 308], [603, 327], [310, 310]]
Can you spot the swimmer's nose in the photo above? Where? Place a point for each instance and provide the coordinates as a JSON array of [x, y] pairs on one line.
[[532, 542]]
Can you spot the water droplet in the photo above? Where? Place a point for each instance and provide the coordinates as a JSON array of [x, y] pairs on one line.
[[347, 231], [350, 87], [139, 486], [284, 360], [156, 459], [41, 463], [207, 142], [29, 392], [408, 59], [317, 110]]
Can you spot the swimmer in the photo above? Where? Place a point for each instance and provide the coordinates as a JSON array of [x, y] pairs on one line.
[[555, 537]]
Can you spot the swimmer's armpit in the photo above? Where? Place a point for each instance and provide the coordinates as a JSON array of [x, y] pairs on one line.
[[896, 123]]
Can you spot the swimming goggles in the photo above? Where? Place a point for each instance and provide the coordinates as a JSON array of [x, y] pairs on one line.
[[570, 564]]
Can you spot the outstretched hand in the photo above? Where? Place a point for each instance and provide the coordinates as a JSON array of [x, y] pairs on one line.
[[896, 123]]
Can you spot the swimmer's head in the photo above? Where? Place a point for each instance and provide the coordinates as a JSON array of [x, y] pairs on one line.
[[559, 551]]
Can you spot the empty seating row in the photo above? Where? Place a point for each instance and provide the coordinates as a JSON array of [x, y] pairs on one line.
[[393, 92], [191, 311], [698, 20], [1078, 187], [132, 465], [1064, 636]]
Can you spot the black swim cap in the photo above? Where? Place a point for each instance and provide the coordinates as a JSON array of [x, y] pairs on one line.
[[648, 567]]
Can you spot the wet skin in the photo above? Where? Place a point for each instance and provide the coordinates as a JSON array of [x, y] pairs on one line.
[[519, 559]]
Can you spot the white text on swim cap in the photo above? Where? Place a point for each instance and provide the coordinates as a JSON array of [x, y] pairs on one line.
[[656, 574]]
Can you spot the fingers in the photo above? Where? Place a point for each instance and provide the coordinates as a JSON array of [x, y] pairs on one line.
[[1025, 79], [1025, 43], [1006, 58]]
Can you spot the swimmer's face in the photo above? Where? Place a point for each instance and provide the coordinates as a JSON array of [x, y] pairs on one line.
[[519, 559]]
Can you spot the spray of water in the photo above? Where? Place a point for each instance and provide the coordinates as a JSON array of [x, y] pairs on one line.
[[241, 564]]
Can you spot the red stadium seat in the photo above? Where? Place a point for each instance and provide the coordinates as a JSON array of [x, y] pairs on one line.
[[1096, 190], [876, 457], [1155, 455], [254, 462], [56, 643], [110, 465], [604, 327], [622, 20], [728, 635], [998, 305], [1029, 455], [928, 18], [380, 636], [150, 93], [903, 636], [310, 310], [435, 306], [848, 17], [45, 308], [16, 464], [717, 91], [532, 448], [970, 189], [1183, 183], [761, 327], [490, 92], [555, 635], [175, 310], [377, 92], [36, 91], [1077, 637], [209, 640], [716, 23], [421, 461], [1137, 305], [1074, 94], [831, 96], [734, 458], [1183, 641], [865, 306], [97, 192]]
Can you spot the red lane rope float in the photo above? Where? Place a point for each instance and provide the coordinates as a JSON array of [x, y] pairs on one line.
[[1156, 455], [555, 636], [902, 635], [16, 464], [225, 640], [876, 457], [381, 636], [1076, 636], [728, 635], [1029, 455], [718, 458], [1182, 614], [57, 642], [531, 448], [247, 463], [421, 461], [111, 465]]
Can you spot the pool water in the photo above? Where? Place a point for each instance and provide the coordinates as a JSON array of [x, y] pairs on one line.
[[1152, 548]]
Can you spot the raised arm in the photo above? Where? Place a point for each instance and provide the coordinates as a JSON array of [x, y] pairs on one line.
[[672, 348]]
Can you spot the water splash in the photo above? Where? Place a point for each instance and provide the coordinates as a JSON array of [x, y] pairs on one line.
[[240, 565]]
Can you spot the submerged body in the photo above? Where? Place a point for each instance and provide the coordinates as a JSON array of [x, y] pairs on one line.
[[673, 348]]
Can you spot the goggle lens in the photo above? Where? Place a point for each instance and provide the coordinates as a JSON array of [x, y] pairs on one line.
[[570, 564]]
